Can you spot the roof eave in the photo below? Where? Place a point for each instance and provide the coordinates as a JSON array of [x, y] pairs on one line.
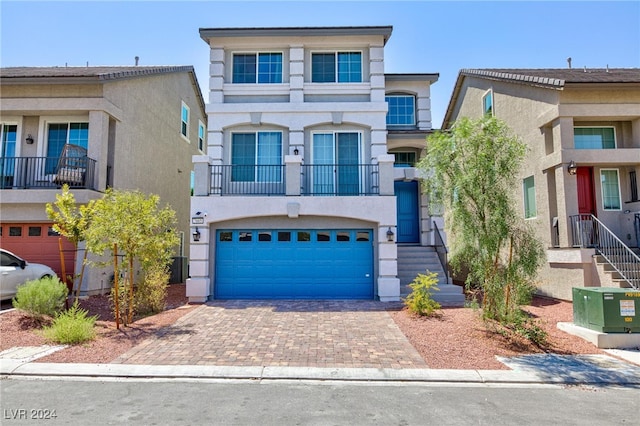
[[207, 33]]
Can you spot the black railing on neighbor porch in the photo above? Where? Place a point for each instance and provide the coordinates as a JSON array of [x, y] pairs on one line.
[[43, 172], [248, 180], [588, 232], [441, 249]]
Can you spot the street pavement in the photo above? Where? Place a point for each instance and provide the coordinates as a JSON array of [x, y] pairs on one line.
[[311, 340]]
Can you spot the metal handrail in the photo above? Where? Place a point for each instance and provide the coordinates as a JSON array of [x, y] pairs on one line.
[[340, 179], [248, 179], [589, 232], [43, 172], [441, 250]]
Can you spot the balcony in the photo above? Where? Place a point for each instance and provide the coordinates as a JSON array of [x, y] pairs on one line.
[[294, 179], [45, 173]]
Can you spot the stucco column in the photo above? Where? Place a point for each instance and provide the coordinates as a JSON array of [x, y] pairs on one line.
[[388, 281], [385, 173], [198, 286], [293, 166], [567, 196], [99, 146], [201, 175]]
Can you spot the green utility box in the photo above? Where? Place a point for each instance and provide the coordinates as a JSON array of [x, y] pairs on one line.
[[607, 309]]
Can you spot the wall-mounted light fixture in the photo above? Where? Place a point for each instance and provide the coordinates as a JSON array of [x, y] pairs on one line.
[[196, 235], [295, 151], [390, 235], [29, 139], [572, 169]]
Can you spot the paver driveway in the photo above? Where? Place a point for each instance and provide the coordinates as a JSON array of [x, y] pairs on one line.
[[281, 333]]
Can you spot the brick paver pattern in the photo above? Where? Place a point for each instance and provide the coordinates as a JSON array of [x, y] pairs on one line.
[[281, 333]]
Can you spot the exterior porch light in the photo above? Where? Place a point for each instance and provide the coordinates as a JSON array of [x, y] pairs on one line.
[[29, 139], [295, 151], [196, 235], [572, 168], [390, 235]]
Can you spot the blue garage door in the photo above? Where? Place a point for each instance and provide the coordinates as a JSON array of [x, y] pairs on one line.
[[294, 264]]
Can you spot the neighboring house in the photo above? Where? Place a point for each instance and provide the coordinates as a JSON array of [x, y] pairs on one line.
[[296, 196], [125, 127], [579, 182]]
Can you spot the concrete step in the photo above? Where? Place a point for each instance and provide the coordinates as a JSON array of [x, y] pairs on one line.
[[449, 295]]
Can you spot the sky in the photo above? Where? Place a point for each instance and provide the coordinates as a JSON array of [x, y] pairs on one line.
[[428, 36]]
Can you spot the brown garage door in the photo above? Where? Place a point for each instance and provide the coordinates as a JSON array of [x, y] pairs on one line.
[[37, 243]]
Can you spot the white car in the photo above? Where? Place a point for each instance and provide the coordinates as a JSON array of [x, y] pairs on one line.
[[15, 271]]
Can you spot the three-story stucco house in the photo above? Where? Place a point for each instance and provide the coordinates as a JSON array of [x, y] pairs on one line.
[[296, 197], [579, 181], [122, 127]]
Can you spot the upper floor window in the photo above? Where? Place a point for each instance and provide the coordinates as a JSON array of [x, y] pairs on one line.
[[529, 190], [341, 67], [594, 138], [402, 110], [60, 134], [257, 68], [610, 184], [201, 132], [487, 103], [9, 138], [184, 128], [251, 150]]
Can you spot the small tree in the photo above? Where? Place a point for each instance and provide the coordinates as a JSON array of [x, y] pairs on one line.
[[70, 221], [141, 231], [472, 170]]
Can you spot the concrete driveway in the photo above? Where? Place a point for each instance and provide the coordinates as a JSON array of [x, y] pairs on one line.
[[282, 333]]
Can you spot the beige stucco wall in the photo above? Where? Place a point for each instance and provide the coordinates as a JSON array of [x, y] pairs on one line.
[[134, 127], [544, 119]]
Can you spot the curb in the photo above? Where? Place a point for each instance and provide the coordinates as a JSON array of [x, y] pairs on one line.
[[17, 368]]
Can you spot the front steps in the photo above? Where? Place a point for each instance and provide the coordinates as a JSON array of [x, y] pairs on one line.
[[414, 260], [609, 277]]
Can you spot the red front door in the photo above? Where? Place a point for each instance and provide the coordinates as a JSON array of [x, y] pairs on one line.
[[586, 198]]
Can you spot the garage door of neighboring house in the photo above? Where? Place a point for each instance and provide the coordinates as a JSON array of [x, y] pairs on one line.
[[294, 264], [38, 243]]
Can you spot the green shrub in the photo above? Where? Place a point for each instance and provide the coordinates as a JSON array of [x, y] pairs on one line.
[[151, 292], [71, 327], [41, 298], [420, 300]]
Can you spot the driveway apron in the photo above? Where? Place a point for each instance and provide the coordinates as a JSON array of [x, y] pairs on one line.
[[281, 333]]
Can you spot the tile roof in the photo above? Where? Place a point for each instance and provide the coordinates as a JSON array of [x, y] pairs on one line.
[[558, 77], [98, 72]]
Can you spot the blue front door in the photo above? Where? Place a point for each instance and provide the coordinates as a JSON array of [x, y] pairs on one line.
[[294, 264], [407, 204]]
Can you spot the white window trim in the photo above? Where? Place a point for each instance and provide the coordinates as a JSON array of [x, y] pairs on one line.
[[256, 52], [43, 128], [415, 108], [204, 135], [493, 102], [335, 71], [184, 105], [19, 136], [524, 198], [334, 132], [619, 190], [615, 135], [255, 132]]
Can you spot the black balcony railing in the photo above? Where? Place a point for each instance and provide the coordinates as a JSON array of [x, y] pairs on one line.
[[340, 179], [248, 180], [43, 172]]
